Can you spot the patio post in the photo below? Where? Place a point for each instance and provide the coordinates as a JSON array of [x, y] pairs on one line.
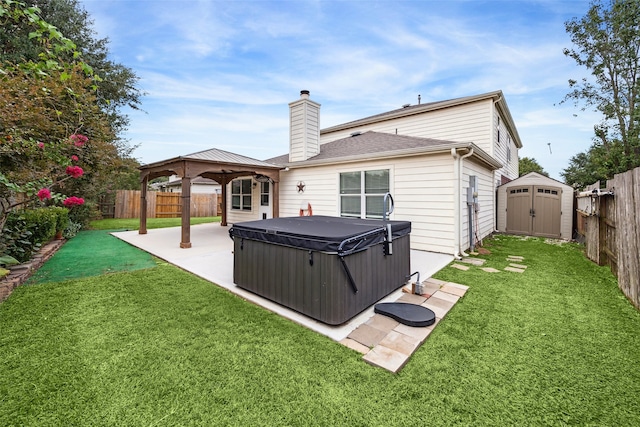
[[143, 205], [223, 216], [276, 199], [186, 213]]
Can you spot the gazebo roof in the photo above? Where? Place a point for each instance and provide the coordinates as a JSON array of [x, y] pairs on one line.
[[215, 155]]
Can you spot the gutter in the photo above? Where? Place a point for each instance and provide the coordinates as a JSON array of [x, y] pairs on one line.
[[458, 166], [435, 149]]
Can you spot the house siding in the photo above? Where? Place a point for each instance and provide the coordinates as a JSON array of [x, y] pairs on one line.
[[422, 188], [470, 122], [502, 147], [486, 202]]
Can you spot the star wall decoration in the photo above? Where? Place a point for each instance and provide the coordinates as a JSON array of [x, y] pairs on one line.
[[300, 186]]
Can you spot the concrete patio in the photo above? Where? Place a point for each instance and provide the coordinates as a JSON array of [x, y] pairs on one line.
[[211, 257]]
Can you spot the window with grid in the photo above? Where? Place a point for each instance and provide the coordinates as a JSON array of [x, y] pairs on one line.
[[362, 193], [241, 194]]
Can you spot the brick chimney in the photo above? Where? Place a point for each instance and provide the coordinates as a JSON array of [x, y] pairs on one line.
[[304, 128]]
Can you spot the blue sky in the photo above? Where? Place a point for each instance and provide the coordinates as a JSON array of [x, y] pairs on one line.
[[221, 73]]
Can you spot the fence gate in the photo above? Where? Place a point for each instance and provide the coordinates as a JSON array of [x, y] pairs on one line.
[[534, 210]]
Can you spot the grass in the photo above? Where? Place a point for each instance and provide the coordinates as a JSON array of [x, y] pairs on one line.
[[108, 254], [134, 223], [556, 345]]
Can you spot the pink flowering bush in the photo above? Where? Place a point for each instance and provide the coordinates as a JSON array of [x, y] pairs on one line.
[[78, 139], [73, 201], [43, 194], [74, 158], [75, 171]]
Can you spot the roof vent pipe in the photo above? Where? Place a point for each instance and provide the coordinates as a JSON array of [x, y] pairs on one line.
[[418, 99]]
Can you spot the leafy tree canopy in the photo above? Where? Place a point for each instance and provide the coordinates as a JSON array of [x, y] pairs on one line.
[[607, 43], [529, 164], [118, 85]]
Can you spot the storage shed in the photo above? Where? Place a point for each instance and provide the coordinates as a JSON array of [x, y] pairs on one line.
[[536, 205]]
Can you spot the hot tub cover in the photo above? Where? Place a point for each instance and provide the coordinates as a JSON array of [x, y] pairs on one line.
[[320, 233]]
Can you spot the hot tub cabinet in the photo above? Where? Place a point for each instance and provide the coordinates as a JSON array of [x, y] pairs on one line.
[[327, 268]]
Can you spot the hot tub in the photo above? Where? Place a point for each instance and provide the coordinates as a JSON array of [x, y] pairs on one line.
[[327, 268]]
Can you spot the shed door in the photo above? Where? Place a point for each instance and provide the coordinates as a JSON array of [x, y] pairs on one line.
[[546, 208], [519, 204], [534, 210]]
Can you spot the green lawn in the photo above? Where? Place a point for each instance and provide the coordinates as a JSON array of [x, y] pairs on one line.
[[134, 223], [556, 345]]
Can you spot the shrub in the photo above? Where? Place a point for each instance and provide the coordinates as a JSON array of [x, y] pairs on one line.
[[42, 224], [83, 214], [16, 239], [71, 230], [62, 218]]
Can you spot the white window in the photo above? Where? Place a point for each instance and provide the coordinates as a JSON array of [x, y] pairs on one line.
[[508, 149], [264, 194], [241, 194], [362, 193]]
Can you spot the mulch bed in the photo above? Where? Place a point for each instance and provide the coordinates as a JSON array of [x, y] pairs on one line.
[[21, 273]]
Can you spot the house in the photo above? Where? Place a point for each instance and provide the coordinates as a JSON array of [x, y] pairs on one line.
[[440, 161], [199, 185]]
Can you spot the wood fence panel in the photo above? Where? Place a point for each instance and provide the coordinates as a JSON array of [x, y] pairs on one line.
[[164, 205], [612, 235], [627, 208], [168, 205]]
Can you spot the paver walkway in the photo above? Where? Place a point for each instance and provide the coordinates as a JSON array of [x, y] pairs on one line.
[[387, 343]]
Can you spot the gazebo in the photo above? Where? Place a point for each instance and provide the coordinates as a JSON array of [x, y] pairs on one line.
[[218, 165]]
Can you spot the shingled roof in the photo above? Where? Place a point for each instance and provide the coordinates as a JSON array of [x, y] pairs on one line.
[[376, 145]]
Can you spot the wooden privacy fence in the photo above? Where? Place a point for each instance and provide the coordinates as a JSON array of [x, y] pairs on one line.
[[609, 219], [164, 205]]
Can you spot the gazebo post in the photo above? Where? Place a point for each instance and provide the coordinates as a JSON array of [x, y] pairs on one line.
[[223, 216], [276, 199], [186, 212], [143, 205]]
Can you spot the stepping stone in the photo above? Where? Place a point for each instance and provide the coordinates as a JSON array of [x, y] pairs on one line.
[[491, 270], [407, 314], [515, 270], [460, 267], [515, 258], [452, 290], [518, 266], [473, 261]]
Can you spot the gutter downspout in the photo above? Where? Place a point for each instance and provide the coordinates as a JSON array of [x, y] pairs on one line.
[[458, 163]]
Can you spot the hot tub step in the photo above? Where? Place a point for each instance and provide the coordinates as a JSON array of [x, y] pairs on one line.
[[407, 314]]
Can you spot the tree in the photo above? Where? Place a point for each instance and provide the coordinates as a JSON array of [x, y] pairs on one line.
[[108, 155], [118, 86], [529, 164], [607, 42]]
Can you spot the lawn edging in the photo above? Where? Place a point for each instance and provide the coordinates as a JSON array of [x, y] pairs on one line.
[[20, 273]]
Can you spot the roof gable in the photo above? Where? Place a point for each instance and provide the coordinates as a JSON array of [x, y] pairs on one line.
[[496, 96]]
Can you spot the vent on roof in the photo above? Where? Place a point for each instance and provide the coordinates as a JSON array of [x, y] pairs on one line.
[[356, 133], [406, 105]]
